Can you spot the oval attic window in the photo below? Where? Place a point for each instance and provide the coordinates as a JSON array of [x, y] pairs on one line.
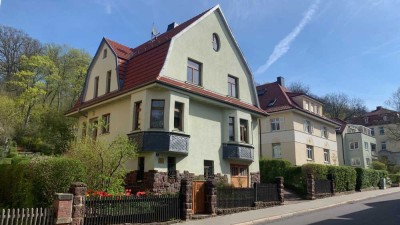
[[215, 42]]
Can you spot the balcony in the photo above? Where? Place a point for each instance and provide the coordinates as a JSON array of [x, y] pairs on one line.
[[155, 141], [238, 152]]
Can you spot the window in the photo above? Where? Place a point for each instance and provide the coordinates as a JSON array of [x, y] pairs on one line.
[[104, 53], [108, 82], [312, 107], [354, 145], [317, 109], [324, 132], [178, 116], [276, 124], [383, 145], [306, 105], [140, 172], [384, 118], [308, 127], [276, 150], [231, 128], [239, 170], [232, 86], [93, 127], [105, 128], [215, 42], [310, 152], [381, 130], [355, 161], [84, 128], [137, 118], [368, 161], [372, 132], [243, 131], [366, 120], [366, 145], [96, 87], [171, 167], [194, 72], [157, 114], [326, 156], [208, 169], [373, 147]]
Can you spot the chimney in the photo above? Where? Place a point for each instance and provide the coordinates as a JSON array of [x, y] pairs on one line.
[[281, 81], [172, 26], [378, 107]]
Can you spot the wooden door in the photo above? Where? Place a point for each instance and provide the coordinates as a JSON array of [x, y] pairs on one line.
[[239, 176], [198, 197]]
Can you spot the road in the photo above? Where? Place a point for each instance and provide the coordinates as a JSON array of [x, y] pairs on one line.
[[383, 210]]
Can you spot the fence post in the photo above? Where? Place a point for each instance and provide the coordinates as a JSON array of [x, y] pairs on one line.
[[310, 187], [62, 209], [280, 186], [186, 198], [211, 197], [331, 177], [255, 192], [78, 189]]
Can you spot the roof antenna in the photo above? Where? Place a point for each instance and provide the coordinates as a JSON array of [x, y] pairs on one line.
[[154, 33]]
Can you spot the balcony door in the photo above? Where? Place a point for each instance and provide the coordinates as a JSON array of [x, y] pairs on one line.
[[239, 176]]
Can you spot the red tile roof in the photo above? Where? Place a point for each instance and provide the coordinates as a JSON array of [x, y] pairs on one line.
[[376, 117], [282, 99], [142, 65]]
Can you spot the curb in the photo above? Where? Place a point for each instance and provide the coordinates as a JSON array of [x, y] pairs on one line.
[[278, 217]]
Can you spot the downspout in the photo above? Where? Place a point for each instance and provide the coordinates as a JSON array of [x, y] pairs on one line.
[[344, 159], [259, 139]]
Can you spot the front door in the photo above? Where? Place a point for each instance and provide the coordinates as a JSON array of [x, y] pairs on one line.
[[198, 197], [239, 176]]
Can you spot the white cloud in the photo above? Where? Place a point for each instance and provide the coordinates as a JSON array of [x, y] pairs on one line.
[[284, 45]]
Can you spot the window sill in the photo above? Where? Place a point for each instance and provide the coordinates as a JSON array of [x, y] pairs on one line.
[[178, 131], [193, 84], [230, 96], [310, 160]]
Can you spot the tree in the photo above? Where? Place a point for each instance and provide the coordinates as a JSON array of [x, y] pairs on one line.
[[31, 81], [14, 44], [9, 116], [394, 127], [341, 106], [299, 87], [104, 161]]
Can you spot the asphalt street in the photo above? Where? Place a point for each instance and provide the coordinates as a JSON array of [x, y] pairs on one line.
[[383, 210]]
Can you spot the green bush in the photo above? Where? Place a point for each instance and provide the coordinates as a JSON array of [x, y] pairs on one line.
[[367, 178], [344, 177], [272, 168], [294, 180], [33, 183], [379, 165], [319, 171], [395, 178]]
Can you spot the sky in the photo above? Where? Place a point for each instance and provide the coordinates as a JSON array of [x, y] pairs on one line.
[[332, 46]]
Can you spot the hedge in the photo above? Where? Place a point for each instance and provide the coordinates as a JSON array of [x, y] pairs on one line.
[[344, 176], [367, 178], [270, 169], [33, 183], [395, 178]]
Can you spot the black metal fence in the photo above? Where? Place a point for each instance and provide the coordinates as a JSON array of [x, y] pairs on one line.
[[323, 186], [127, 209], [246, 197]]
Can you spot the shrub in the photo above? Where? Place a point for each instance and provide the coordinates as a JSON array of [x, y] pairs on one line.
[[294, 180], [319, 171], [272, 168], [344, 177], [33, 183], [379, 165]]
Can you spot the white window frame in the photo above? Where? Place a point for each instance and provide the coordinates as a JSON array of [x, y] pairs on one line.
[[355, 145], [276, 124], [327, 157], [368, 160], [383, 143], [306, 105], [372, 131], [324, 132], [381, 131], [310, 152], [355, 162], [366, 145], [276, 151], [308, 128], [311, 107]]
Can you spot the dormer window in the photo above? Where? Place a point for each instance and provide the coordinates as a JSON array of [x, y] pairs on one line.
[[312, 107], [104, 53], [306, 105], [366, 120], [384, 118]]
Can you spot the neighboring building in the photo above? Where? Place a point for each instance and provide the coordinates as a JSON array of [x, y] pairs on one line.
[[356, 145], [187, 98], [296, 129], [380, 121]]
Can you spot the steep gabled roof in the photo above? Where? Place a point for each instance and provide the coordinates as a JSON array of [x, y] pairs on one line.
[[274, 98], [376, 117], [142, 65]]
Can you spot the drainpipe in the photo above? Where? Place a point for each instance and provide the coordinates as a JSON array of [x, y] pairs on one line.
[[259, 139], [344, 159]]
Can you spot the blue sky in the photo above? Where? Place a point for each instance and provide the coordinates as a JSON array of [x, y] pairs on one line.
[[332, 45]]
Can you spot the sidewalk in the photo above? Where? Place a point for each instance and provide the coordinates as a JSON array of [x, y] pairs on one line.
[[274, 213]]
